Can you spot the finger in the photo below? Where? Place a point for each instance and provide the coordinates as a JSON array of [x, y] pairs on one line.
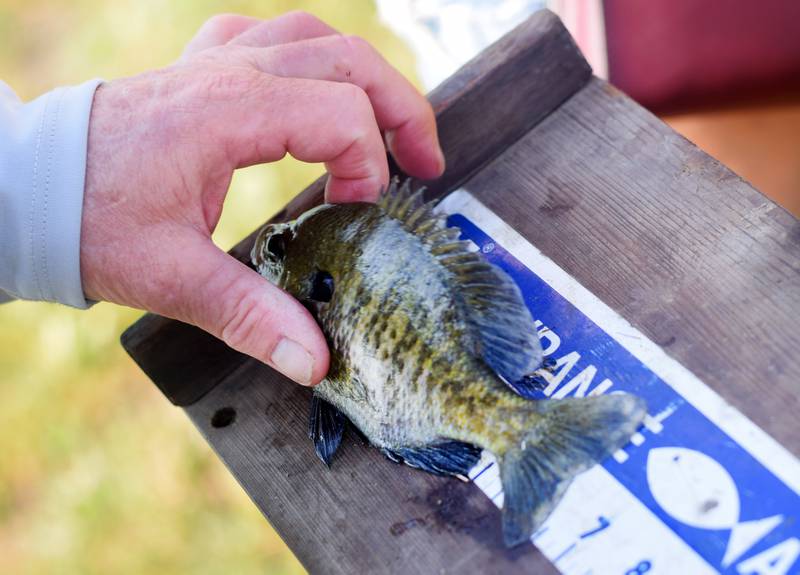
[[289, 27], [212, 290], [218, 30], [312, 120], [401, 111]]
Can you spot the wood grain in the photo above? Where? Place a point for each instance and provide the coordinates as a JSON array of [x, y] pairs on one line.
[[688, 252], [364, 515]]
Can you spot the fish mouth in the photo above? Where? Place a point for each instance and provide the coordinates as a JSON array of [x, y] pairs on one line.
[[255, 251], [268, 254], [269, 251]]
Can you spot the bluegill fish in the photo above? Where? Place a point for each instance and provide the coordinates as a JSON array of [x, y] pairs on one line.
[[425, 337]]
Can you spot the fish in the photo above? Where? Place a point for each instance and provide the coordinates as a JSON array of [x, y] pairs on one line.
[[430, 346]]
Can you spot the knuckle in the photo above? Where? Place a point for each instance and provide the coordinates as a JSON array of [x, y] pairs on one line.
[[241, 326], [356, 98], [357, 115], [361, 124], [303, 18], [353, 54], [222, 24], [232, 82], [357, 45], [357, 49]]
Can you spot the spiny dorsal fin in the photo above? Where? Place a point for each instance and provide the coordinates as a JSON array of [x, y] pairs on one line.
[[501, 323], [399, 202]]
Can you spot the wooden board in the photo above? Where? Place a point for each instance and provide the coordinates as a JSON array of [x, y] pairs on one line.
[[364, 515], [705, 265], [691, 255]]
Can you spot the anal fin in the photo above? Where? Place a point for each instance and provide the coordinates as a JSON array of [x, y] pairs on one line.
[[325, 428], [442, 458]]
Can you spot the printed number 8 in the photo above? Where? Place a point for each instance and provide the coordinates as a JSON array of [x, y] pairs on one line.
[[642, 567]]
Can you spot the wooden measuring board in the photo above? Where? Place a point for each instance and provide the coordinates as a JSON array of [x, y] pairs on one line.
[[691, 268]]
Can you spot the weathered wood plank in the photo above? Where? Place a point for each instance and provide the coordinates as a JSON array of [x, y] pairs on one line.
[[364, 515], [680, 246], [481, 110]]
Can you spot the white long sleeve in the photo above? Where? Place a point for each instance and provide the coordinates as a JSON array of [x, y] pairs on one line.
[[42, 172]]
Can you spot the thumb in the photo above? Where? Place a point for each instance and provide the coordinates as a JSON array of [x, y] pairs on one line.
[[224, 297]]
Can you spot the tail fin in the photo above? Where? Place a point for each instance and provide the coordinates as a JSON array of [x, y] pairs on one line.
[[568, 437]]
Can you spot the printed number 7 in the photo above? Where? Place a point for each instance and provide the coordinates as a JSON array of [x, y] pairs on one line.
[[642, 567]]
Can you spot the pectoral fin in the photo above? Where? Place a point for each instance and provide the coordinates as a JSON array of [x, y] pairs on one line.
[[443, 458], [325, 428]]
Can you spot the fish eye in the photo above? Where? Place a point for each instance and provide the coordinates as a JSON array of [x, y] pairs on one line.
[[321, 287], [276, 246]]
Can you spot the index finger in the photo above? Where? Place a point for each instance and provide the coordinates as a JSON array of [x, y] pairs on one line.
[[289, 27], [218, 30], [401, 111], [254, 118]]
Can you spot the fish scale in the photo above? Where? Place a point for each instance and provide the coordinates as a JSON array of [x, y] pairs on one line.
[[428, 344]]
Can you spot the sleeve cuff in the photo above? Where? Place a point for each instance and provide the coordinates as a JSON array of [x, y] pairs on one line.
[[50, 165]]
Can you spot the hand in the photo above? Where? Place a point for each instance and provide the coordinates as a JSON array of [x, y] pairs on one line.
[[163, 147]]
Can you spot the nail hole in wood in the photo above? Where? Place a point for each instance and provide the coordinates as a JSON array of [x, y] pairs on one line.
[[223, 417]]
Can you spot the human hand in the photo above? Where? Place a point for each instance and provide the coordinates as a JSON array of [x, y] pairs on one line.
[[163, 147]]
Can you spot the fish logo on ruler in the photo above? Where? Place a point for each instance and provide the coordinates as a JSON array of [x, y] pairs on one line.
[[699, 489]]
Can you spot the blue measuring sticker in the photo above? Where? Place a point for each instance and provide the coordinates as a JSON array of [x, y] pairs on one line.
[[699, 489]]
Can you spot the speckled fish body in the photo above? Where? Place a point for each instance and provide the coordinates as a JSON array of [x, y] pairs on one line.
[[425, 338]]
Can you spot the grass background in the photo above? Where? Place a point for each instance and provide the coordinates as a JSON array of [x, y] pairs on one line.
[[99, 473]]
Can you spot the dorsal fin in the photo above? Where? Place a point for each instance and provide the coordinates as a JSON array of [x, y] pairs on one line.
[[501, 323], [408, 208]]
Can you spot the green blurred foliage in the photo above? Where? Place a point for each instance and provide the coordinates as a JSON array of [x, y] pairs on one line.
[[99, 474]]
